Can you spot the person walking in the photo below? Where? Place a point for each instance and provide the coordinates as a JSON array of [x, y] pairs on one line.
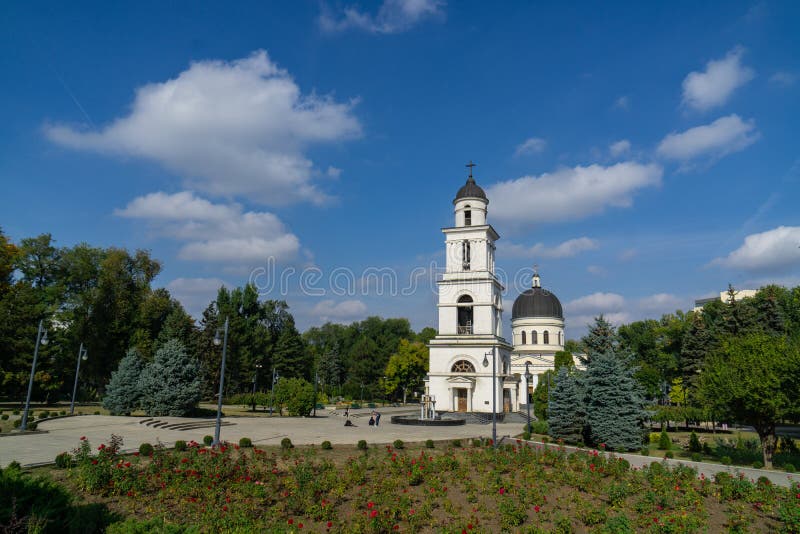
[[377, 418]]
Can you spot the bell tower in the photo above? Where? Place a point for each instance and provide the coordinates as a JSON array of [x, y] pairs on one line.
[[470, 309]]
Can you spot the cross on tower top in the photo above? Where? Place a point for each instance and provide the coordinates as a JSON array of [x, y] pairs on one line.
[[470, 165]]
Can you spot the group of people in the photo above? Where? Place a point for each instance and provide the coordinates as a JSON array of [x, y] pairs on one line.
[[374, 418]]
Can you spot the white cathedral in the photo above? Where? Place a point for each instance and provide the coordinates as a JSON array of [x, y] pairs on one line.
[[470, 321]]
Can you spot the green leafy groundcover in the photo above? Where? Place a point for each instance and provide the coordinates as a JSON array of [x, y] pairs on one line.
[[474, 489]]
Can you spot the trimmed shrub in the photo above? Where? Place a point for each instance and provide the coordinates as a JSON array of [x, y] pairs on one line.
[[669, 454], [208, 440], [362, 445], [726, 460], [286, 444], [645, 451], [246, 443], [539, 427], [97, 412], [145, 449], [429, 444], [707, 449], [326, 445], [664, 441], [456, 443], [758, 465], [526, 435], [398, 444], [44, 415], [180, 445], [694, 443], [789, 468], [697, 457], [62, 412], [4, 417], [63, 460], [17, 423], [477, 442]]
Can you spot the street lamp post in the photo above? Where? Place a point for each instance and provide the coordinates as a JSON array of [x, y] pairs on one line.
[[41, 339], [316, 380], [275, 378], [224, 342], [255, 381], [82, 355], [494, 393], [527, 395]]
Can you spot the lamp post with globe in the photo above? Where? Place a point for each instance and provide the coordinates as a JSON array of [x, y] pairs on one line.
[[41, 339], [82, 355], [217, 342]]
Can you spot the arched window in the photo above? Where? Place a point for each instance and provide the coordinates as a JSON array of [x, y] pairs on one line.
[[467, 216], [523, 338], [534, 337], [559, 338], [462, 366], [465, 255], [546, 337], [465, 315]]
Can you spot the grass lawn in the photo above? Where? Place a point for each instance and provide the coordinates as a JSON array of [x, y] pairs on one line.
[[447, 488]]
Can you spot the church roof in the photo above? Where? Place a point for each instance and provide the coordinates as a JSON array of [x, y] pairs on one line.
[[537, 302], [470, 190]]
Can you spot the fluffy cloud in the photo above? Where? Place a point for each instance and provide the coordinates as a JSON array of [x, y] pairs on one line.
[[661, 303], [596, 303], [227, 128], [773, 251], [571, 193], [712, 87], [622, 146], [394, 16], [534, 145], [195, 293], [720, 138], [328, 310], [214, 232], [567, 249], [619, 310], [622, 102]]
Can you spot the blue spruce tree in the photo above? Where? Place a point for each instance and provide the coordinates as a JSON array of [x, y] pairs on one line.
[[122, 394], [171, 385], [566, 410], [614, 402]]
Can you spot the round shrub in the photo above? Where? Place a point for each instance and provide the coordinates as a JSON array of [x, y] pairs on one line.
[[62, 412], [245, 443], [326, 445], [789, 468], [645, 451], [286, 444], [63, 460], [697, 457], [33, 426], [398, 444], [180, 445], [4, 417], [15, 412], [17, 423], [97, 412], [208, 440], [669, 454], [477, 443], [664, 443], [726, 460], [145, 449], [362, 445], [429, 444], [45, 414], [526, 435], [456, 443], [758, 465]]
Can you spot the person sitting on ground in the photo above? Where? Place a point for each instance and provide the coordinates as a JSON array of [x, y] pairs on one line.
[[348, 423], [371, 421]]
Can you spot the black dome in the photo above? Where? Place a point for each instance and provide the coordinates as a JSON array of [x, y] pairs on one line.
[[537, 302], [470, 190]]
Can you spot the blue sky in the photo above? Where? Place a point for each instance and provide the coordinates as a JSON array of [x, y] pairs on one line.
[[642, 154]]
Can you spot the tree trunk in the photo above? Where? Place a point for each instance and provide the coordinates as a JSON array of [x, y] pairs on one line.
[[404, 396], [766, 433]]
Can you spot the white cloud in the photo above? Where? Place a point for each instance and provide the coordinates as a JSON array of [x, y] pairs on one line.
[[534, 145], [596, 270], [716, 140], [773, 251], [195, 293], [713, 87], [567, 249], [628, 254], [570, 193], [783, 79], [235, 128], [622, 102], [596, 303], [394, 16], [622, 146], [214, 232], [328, 310], [661, 303]]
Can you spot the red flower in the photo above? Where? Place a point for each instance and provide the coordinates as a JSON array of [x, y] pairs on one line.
[[130, 494], [291, 521], [83, 438], [329, 524], [127, 464], [469, 526], [136, 454], [536, 508], [299, 525], [224, 508], [502, 491], [373, 513], [370, 504], [94, 462]]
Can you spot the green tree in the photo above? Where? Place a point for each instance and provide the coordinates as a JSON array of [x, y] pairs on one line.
[[567, 415], [754, 379], [296, 395], [426, 334], [290, 357], [123, 395], [614, 402], [561, 359], [601, 339], [406, 368], [541, 394], [170, 385]]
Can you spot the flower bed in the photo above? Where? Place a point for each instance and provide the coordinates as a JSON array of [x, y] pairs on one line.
[[473, 489]]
